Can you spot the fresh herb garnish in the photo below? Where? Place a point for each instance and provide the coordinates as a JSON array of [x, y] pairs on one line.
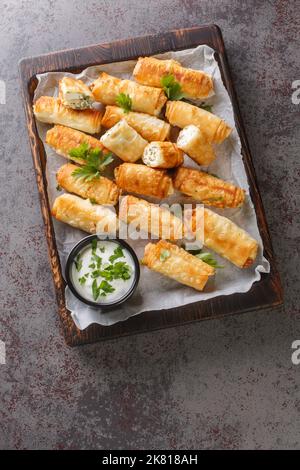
[[118, 253], [103, 289], [58, 188], [102, 249], [95, 290], [206, 107], [96, 273], [92, 265], [93, 201], [97, 259], [207, 258], [164, 254], [171, 87], [78, 262], [106, 287], [94, 246], [124, 101], [94, 161], [82, 280]]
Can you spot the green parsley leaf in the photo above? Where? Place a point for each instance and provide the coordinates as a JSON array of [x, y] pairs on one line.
[[106, 287], [207, 258], [92, 265], [102, 249], [171, 87], [206, 107], [78, 262], [79, 152], [118, 253], [124, 101], [93, 201], [164, 254], [97, 259], [82, 280], [94, 160], [94, 245], [58, 188], [95, 273], [106, 274], [95, 290]]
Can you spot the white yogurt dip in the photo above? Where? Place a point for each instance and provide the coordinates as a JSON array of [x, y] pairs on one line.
[[103, 271]]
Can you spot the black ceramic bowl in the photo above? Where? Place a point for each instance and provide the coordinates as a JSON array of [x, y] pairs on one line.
[[104, 305]]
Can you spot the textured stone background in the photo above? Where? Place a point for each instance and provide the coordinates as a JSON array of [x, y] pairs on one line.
[[220, 384]]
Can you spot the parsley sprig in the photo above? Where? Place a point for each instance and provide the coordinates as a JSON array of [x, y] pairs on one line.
[[205, 257], [171, 87], [124, 101], [94, 161], [206, 107]]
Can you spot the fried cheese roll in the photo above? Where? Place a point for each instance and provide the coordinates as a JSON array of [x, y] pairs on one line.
[[183, 114], [124, 141], [75, 94], [141, 179], [144, 216], [208, 189], [99, 190], [144, 99], [82, 214], [225, 238], [194, 143], [52, 111], [162, 155], [195, 84], [176, 263], [149, 127], [63, 139]]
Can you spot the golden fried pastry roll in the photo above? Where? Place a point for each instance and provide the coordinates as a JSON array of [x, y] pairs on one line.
[[124, 141], [144, 99], [162, 155], [176, 263], [183, 114], [195, 84], [99, 190], [144, 216], [194, 143], [208, 189], [52, 111], [82, 214], [141, 179], [149, 127], [63, 139], [226, 238], [75, 94]]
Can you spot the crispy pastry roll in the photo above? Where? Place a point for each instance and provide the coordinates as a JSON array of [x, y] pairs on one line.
[[82, 214], [141, 179], [162, 155], [144, 216], [75, 94], [144, 99], [183, 114], [99, 190], [226, 238], [63, 139], [176, 263], [149, 127], [194, 143], [51, 110], [124, 141], [195, 84], [208, 189]]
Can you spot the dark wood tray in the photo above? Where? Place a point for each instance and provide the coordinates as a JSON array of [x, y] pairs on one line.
[[265, 293]]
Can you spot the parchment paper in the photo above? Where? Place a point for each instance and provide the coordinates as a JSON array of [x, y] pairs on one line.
[[156, 292]]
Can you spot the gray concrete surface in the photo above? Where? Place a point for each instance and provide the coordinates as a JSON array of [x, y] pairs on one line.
[[220, 384]]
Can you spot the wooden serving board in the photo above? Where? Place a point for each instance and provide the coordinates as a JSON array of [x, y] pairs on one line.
[[265, 293]]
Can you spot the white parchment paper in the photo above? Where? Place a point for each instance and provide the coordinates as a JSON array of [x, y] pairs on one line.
[[156, 292]]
